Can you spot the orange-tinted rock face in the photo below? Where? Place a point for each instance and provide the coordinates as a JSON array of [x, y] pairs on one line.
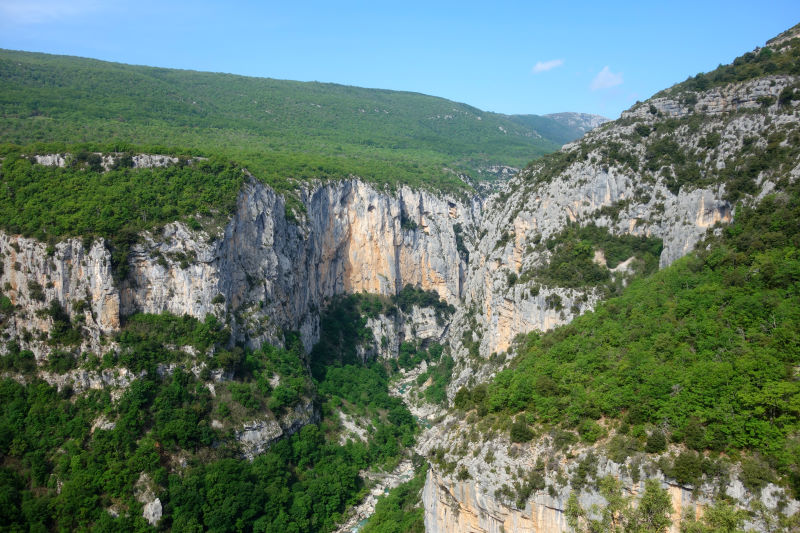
[[453, 506], [354, 239], [269, 273], [460, 508]]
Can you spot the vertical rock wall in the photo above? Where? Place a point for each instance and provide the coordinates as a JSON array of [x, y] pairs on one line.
[[264, 274]]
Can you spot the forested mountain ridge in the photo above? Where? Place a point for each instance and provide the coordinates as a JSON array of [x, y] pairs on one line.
[[280, 129], [199, 358]]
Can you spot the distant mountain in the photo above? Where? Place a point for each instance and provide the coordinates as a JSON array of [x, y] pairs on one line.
[[287, 129], [560, 127], [582, 122]]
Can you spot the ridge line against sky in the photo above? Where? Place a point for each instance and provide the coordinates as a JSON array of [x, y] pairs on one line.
[[513, 58]]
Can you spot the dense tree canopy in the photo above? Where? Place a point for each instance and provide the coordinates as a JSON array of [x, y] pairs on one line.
[[281, 130]]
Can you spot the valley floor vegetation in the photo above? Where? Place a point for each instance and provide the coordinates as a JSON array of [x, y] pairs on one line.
[[81, 461]]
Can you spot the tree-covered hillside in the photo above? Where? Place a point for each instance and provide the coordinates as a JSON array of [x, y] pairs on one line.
[[704, 354], [278, 128]]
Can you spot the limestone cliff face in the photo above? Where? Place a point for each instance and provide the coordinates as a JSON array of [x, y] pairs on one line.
[[421, 324], [276, 274], [725, 99], [380, 242], [625, 192], [257, 435], [456, 507], [576, 196], [263, 274], [80, 280], [108, 161], [486, 500], [175, 271]]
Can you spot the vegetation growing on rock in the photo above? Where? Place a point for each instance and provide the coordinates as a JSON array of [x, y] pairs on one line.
[[71, 458], [706, 348]]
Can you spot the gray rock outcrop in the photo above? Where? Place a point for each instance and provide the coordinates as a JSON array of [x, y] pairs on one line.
[[486, 501], [264, 272], [583, 122], [152, 512], [256, 436]]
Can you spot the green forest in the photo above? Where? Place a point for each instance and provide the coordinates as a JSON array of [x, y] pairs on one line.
[[280, 130], [81, 200]]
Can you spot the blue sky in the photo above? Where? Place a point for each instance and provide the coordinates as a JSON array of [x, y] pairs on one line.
[[512, 57]]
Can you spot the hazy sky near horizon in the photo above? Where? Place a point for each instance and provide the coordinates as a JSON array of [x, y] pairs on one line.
[[508, 57]]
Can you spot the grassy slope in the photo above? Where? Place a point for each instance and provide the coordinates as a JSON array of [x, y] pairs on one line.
[[286, 128]]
